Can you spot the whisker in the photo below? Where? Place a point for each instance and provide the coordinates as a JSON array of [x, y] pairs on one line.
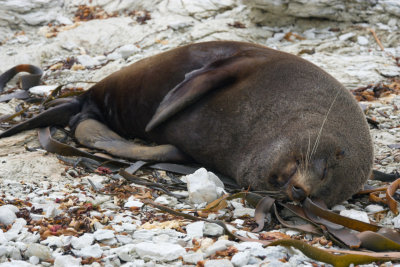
[[323, 124]]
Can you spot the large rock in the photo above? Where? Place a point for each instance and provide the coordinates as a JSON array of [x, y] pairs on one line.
[[337, 10]]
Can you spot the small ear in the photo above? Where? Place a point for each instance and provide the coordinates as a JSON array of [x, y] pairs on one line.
[[340, 154]]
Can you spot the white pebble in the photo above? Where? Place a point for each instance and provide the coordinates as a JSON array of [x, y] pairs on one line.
[[103, 234], [67, 261], [43, 90], [38, 250], [87, 61], [356, 215], [218, 246], [84, 240], [7, 216], [203, 186], [396, 221], [94, 251], [212, 229], [241, 258], [373, 208], [218, 263], [133, 203], [362, 40], [346, 36], [160, 251], [195, 229], [193, 257], [53, 241], [243, 212], [34, 260]]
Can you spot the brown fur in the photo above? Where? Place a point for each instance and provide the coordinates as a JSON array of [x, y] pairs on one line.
[[258, 125]]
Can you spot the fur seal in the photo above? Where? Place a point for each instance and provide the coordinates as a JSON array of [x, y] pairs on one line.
[[268, 119]]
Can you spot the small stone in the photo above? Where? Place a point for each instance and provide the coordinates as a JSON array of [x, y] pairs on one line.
[[34, 260], [160, 251], [356, 215], [94, 251], [143, 235], [7, 216], [67, 261], [362, 40], [243, 212], [53, 241], [97, 180], [129, 227], [103, 234], [396, 222], [133, 204], [338, 208], [373, 208], [218, 246], [87, 61], [218, 263], [212, 229], [126, 252], [193, 257], [346, 36], [84, 240], [43, 90], [124, 239], [241, 258], [17, 263], [203, 186], [40, 251], [127, 50], [195, 229]]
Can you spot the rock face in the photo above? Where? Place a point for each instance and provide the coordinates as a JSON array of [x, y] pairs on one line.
[[371, 11]]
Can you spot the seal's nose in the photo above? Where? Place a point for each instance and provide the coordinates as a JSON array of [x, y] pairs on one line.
[[298, 193]]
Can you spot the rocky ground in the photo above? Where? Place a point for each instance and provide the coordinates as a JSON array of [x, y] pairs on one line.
[[78, 42]]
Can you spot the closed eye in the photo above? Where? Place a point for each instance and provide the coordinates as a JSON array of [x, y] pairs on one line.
[[324, 173]]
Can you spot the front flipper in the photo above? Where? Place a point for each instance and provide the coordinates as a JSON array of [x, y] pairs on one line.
[[94, 134], [216, 75]]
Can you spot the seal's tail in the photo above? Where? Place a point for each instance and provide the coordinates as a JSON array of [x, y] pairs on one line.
[[59, 115]]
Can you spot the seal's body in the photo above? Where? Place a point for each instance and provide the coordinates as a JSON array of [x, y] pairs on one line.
[[268, 119]]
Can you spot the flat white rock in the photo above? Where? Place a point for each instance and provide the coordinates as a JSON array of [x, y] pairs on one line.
[[17, 263], [67, 261], [356, 215], [38, 250], [373, 208], [218, 246], [159, 251], [218, 263], [84, 240], [42, 89], [53, 241], [103, 234], [195, 229], [193, 257], [94, 251]]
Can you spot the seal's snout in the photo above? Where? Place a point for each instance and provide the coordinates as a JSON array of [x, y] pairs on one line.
[[298, 193]]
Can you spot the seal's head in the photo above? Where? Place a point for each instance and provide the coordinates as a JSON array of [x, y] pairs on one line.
[[326, 171]]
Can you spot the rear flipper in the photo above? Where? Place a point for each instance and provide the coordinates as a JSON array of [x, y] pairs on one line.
[[58, 115], [94, 134]]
